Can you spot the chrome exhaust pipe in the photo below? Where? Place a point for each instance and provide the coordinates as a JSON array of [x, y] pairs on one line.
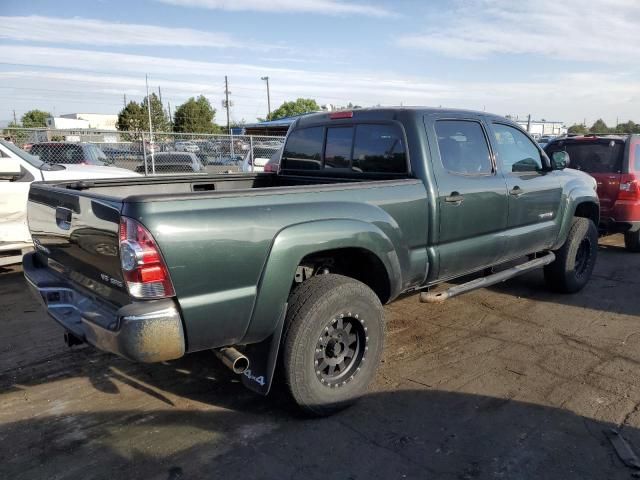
[[232, 359]]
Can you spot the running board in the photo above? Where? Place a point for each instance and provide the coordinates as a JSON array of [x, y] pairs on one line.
[[439, 297]]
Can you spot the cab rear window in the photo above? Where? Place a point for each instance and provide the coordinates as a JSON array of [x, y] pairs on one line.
[[597, 156], [359, 148]]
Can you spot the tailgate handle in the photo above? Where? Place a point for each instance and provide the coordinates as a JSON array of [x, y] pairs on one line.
[[63, 218]]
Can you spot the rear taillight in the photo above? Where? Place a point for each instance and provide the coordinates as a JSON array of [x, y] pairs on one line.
[[629, 188], [143, 267], [271, 167]]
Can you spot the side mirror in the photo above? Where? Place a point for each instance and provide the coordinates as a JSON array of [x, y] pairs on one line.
[[10, 169], [560, 160]]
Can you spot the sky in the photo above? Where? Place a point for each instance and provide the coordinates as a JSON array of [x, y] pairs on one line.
[[569, 61]]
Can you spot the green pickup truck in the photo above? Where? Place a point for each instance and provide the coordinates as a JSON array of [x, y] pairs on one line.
[[291, 269]]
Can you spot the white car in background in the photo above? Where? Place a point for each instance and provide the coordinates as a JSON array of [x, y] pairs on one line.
[[265, 159], [190, 147], [17, 170]]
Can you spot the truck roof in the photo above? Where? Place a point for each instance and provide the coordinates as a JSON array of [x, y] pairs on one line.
[[385, 113]]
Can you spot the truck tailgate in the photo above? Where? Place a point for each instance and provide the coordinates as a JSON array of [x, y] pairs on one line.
[[77, 234]]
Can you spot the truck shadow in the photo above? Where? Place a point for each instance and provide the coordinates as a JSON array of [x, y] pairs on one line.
[[399, 434]]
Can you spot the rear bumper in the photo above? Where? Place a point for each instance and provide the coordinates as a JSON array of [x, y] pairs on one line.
[[624, 216], [148, 331]]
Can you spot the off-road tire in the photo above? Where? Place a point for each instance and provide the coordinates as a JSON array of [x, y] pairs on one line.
[[632, 241], [575, 260], [316, 309]]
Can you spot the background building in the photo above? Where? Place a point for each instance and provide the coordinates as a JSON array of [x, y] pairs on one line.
[[543, 127], [99, 121]]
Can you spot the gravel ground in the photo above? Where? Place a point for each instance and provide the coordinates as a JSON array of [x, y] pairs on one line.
[[507, 382]]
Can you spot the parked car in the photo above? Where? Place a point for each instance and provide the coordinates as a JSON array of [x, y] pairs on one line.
[[190, 147], [70, 153], [544, 140], [119, 152], [172, 162], [293, 268], [261, 158], [17, 170], [274, 163], [614, 161]]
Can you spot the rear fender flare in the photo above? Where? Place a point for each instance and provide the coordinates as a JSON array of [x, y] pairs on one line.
[[292, 244]]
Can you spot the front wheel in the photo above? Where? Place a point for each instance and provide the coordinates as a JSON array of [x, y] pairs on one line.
[[575, 260], [333, 342]]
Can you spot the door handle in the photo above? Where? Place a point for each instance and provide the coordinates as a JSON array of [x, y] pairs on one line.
[[516, 191], [455, 197]]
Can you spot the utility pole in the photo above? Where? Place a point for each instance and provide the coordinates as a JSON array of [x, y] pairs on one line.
[[152, 148], [170, 117], [15, 122], [160, 94], [529, 123], [266, 79], [124, 99], [226, 102]]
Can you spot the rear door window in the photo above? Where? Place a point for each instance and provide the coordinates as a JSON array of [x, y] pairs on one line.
[[303, 150], [463, 147], [379, 149], [598, 156]]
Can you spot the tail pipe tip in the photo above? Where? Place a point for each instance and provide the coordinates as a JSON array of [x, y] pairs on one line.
[[232, 359]]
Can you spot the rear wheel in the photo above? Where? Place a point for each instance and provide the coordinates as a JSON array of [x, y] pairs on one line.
[[333, 342], [632, 241], [575, 260]]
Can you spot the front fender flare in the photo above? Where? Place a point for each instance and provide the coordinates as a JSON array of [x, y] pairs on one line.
[[292, 244], [574, 198]]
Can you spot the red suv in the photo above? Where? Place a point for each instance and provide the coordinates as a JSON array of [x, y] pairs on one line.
[[614, 161]]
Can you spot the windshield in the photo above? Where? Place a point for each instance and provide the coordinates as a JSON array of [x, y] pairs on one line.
[[97, 156], [27, 157]]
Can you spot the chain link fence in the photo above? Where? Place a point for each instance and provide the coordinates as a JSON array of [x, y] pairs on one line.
[[161, 153]]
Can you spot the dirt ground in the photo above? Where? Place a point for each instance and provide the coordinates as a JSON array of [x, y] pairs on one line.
[[509, 382]]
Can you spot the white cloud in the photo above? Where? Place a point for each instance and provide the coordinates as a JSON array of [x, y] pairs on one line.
[[324, 7], [98, 80], [600, 31], [85, 31]]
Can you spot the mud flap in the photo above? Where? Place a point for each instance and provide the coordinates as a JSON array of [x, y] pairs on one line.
[[262, 359]]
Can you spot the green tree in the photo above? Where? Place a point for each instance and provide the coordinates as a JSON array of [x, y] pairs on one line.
[[298, 107], [629, 127], [159, 117], [35, 119], [195, 115], [577, 128], [599, 127], [132, 118]]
